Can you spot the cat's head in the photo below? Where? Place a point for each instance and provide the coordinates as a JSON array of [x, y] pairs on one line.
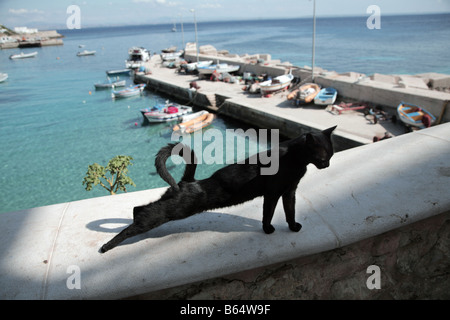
[[320, 147]]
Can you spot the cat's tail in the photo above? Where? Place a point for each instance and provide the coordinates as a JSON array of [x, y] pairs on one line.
[[171, 150]]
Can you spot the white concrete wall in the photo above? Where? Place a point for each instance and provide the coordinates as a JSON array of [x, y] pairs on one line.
[[366, 191]]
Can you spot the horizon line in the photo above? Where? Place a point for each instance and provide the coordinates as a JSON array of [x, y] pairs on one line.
[[63, 27]]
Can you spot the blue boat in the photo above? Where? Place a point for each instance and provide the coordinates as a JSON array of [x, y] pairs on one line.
[[326, 96], [415, 116]]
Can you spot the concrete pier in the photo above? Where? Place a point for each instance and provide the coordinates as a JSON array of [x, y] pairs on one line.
[[430, 90], [275, 112]]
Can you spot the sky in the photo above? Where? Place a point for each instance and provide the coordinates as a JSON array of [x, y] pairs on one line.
[[47, 14]]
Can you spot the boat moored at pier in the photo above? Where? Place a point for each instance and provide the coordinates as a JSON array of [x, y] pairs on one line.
[[137, 57]]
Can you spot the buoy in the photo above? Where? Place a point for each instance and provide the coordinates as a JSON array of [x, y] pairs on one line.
[[135, 124], [90, 92]]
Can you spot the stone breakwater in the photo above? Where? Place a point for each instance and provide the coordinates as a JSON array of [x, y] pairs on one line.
[[38, 39]]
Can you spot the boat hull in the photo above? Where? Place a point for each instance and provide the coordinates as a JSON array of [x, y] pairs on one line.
[[415, 116], [86, 53], [23, 55], [129, 92], [118, 72], [3, 77], [220, 68], [110, 85], [202, 120], [161, 116], [305, 94], [276, 84], [326, 96]]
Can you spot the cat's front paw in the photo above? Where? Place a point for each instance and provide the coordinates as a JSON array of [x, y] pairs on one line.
[[268, 229], [295, 227]]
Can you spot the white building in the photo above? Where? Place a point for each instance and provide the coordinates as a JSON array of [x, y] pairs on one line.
[[7, 39], [25, 30]]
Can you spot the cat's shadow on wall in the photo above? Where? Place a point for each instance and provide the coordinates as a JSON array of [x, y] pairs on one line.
[[206, 221]]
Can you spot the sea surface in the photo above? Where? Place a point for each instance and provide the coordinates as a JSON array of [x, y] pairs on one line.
[[54, 124]]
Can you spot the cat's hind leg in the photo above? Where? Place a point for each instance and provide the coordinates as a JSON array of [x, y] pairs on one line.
[[289, 210], [270, 202]]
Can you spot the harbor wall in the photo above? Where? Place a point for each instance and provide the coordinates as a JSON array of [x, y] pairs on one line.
[[413, 263]]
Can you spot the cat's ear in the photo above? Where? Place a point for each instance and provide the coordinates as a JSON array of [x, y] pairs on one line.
[[309, 139], [328, 131]]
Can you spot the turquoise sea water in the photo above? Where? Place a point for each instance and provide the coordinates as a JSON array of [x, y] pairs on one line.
[[53, 123]]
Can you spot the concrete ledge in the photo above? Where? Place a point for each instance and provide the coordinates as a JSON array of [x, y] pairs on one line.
[[366, 191]]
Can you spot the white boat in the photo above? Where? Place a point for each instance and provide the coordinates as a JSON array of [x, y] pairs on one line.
[[276, 84], [86, 53], [118, 72], [194, 65], [128, 92], [165, 112], [110, 84], [3, 77], [23, 55], [220, 68], [137, 57], [171, 56]]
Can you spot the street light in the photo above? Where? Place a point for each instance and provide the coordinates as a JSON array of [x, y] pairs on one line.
[[314, 40], [182, 30], [196, 38]]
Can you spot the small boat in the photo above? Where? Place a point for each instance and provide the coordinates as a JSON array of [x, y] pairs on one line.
[[220, 68], [165, 112], [138, 56], [128, 92], [276, 84], [305, 94], [119, 72], [169, 49], [23, 55], [172, 56], [326, 96], [86, 53], [189, 67], [194, 122], [3, 77], [110, 84], [415, 116]]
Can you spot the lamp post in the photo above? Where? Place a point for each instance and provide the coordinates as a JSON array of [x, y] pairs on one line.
[[196, 38], [314, 40], [182, 30]]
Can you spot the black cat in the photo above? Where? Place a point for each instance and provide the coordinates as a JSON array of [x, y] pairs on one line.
[[231, 185]]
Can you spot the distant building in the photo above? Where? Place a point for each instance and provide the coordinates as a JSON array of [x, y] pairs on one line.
[[25, 30], [7, 39]]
